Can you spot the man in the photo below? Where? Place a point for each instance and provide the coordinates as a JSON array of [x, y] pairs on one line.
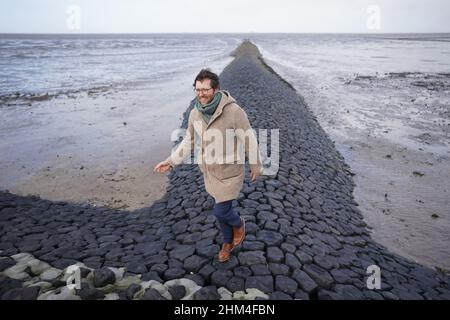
[[222, 128]]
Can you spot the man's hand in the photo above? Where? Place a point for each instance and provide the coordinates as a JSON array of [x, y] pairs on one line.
[[162, 167], [254, 175]]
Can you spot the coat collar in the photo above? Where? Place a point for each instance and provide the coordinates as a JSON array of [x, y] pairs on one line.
[[224, 101]]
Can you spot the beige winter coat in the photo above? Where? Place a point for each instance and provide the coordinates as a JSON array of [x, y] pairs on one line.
[[219, 148]]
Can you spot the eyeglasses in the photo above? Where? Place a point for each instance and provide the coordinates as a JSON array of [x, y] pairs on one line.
[[201, 90]]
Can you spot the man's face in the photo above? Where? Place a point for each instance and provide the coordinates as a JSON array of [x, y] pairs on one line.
[[205, 93]]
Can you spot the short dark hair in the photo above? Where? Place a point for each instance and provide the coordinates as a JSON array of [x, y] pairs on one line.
[[208, 74]]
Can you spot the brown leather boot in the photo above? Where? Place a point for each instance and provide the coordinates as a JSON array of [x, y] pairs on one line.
[[224, 253], [239, 234]]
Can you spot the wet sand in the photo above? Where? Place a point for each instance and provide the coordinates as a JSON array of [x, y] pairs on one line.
[[404, 195], [397, 145], [98, 149]]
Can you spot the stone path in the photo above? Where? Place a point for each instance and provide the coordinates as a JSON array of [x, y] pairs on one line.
[[306, 238]]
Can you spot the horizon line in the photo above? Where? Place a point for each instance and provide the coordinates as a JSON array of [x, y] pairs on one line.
[[149, 33]]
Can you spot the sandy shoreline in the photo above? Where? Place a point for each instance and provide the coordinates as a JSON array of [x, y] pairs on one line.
[[403, 194], [91, 149], [398, 148], [397, 145], [97, 146]]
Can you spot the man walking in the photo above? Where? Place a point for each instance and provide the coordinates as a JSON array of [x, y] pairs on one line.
[[224, 132]]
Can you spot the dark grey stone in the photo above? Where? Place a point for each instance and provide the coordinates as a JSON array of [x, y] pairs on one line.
[[159, 267], [196, 278], [227, 265], [267, 215], [319, 275], [248, 258], [132, 290], [274, 254], [348, 292], [292, 262], [27, 293], [6, 262], [287, 247], [372, 295], [103, 277], [110, 238], [301, 295], [208, 251], [152, 294], [285, 284], [180, 227], [303, 257], [263, 283], [278, 295], [174, 273], [389, 295], [220, 278], [63, 263], [405, 294], [194, 263], [152, 275], [270, 238], [251, 228], [323, 294], [136, 267], [207, 293], [255, 195], [272, 226], [252, 245], [182, 252], [305, 282], [174, 263], [260, 269], [235, 284], [341, 276], [206, 271], [155, 259], [84, 272], [149, 248], [278, 269], [325, 261], [88, 293], [177, 292], [192, 238], [242, 272]]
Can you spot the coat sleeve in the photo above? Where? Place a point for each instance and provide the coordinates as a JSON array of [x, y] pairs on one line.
[[185, 147], [246, 136]]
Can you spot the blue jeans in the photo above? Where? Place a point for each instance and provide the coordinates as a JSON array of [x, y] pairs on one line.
[[228, 218]]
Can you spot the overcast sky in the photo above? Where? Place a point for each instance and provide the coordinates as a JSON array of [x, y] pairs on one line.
[[172, 16]]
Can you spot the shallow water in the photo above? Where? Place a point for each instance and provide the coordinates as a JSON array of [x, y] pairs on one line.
[[57, 63]]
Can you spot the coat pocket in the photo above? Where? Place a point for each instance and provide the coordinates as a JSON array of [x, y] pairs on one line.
[[226, 171]]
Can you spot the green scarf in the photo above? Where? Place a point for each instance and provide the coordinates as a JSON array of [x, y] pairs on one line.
[[208, 110]]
